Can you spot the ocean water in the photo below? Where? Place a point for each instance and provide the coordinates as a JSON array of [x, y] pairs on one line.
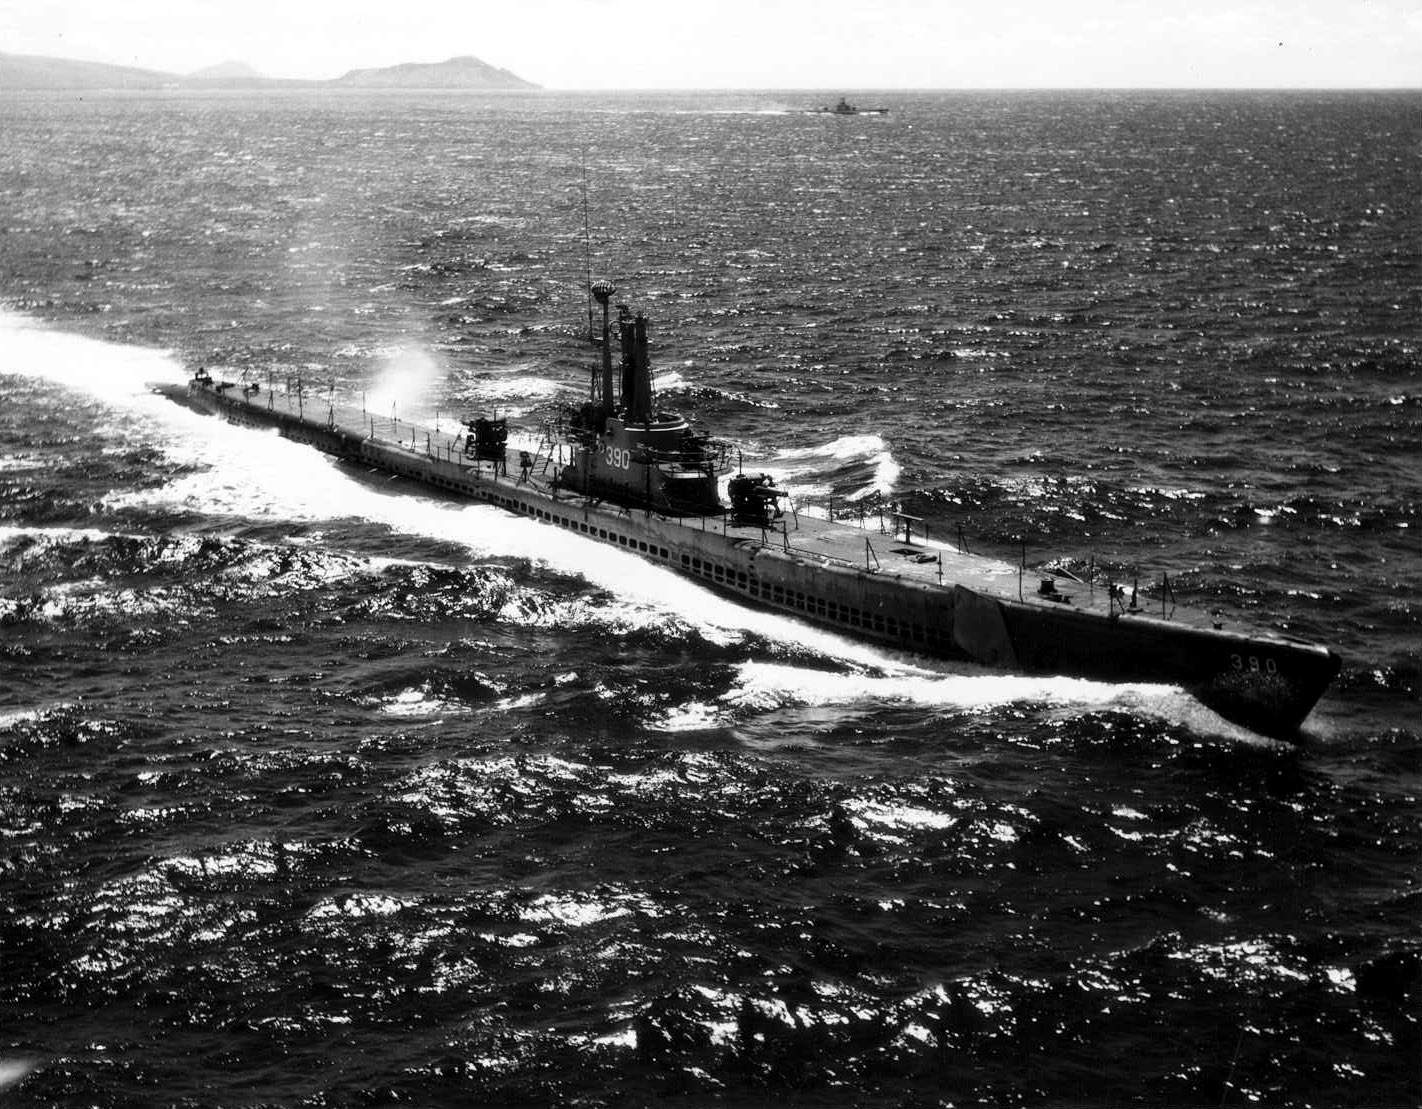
[[317, 789]]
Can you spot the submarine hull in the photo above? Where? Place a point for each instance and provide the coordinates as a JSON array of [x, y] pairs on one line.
[[876, 585], [1268, 684]]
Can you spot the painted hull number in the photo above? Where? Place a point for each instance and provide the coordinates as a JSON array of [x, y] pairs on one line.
[[1253, 664], [618, 457]]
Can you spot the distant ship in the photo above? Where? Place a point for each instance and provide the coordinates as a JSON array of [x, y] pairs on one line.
[[621, 470], [845, 108]]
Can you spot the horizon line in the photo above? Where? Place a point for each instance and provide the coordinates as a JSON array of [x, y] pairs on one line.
[[259, 77], [217, 85]]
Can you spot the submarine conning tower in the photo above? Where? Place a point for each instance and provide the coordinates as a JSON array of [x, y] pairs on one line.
[[624, 450]]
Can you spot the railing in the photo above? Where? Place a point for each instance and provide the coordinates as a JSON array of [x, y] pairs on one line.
[[889, 518]]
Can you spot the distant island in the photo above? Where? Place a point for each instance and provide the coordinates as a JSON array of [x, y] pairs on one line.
[[32, 71], [467, 72]]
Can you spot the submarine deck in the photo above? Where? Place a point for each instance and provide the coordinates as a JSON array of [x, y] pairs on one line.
[[873, 545], [875, 580]]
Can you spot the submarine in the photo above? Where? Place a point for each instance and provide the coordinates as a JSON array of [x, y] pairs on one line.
[[619, 469], [845, 108]]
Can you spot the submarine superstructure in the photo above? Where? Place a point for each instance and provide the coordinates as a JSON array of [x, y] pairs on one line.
[[623, 448], [625, 472]]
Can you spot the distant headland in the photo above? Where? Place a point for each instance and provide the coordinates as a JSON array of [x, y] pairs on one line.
[[32, 71]]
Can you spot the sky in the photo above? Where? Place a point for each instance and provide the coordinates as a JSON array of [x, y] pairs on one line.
[[759, 44]]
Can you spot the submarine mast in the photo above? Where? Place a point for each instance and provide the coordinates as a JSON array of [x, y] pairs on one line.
[[602, 292]]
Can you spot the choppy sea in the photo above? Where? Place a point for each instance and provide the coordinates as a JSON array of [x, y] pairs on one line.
[[317, 789]]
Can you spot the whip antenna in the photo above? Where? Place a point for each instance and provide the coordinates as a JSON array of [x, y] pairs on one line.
[[587, 245]]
